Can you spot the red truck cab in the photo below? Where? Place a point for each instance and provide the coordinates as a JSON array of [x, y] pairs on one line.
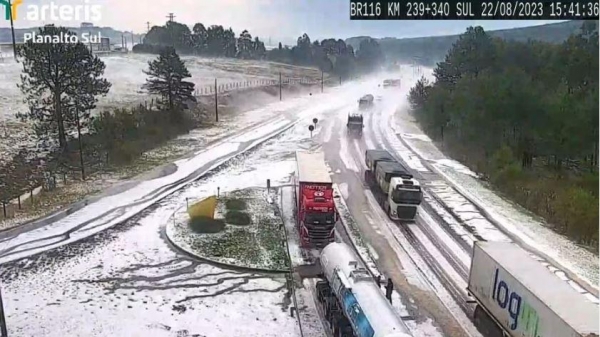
[[316, 214]]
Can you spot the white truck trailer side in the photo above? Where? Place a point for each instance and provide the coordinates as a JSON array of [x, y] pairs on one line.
[[524, 298]]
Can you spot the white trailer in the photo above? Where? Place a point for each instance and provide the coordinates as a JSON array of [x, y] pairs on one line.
[[522, 298]]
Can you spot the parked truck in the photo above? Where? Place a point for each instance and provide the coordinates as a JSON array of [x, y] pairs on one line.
[[316, 214], [396, 190], [519, 297]]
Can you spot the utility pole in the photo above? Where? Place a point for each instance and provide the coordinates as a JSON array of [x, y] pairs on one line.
[[147, 27], [80, 143], [132, 42], [216, 101], [12, 30], [170, 17], [91, 49], [321, 81], [3, 330]]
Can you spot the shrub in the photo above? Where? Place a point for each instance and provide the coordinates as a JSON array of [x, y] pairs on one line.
[[235, 204], [206, 225], [237, 218]]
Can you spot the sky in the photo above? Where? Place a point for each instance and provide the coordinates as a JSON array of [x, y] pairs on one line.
[[278, 20]]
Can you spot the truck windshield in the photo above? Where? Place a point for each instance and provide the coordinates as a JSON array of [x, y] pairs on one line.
[[407, 196], [318, 218]]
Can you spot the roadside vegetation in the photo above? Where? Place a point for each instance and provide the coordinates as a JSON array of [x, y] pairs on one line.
[[525, 114], [429, 50], [61, 84]]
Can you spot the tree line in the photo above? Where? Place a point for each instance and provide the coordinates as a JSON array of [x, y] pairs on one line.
[[61, 84], [330, 55], [526, 115]]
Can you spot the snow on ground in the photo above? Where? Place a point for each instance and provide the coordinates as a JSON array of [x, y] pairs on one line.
[[118, 207], [312, 326], [132, 284], [125, 72], [510, 217], [127, 281], [457, 178]]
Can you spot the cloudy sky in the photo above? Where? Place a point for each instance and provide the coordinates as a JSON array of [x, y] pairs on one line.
[[277, 19]]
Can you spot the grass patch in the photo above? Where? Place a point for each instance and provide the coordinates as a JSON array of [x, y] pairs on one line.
[[253, 238], [231, 244], [270, 238], [204, 225], [238, 218], [235, 204]]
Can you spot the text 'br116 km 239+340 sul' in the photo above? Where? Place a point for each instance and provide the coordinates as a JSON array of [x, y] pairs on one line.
[[474, 10]]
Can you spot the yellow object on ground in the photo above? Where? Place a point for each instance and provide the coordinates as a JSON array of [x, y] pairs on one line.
[[203, 208]]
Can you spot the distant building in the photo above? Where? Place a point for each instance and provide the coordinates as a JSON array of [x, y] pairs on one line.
[[102, 47], [87, 25]]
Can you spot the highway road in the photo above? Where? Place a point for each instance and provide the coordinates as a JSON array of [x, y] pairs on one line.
[[106, 268]]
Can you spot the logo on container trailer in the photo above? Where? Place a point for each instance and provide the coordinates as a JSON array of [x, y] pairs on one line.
[[520, 312]]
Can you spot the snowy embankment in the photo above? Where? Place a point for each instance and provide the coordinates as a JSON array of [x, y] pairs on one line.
[[477, 218], [116, 208]]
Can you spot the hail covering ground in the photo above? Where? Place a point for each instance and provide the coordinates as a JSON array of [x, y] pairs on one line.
[[128, 279], [125, 72]]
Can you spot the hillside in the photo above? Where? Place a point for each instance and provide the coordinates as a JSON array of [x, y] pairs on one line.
[[429, 50], [112, 34]]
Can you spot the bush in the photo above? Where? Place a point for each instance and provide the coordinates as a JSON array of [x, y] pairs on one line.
[[204, 225], [577, 212], [124, 134], [235, 204], [237, 218]]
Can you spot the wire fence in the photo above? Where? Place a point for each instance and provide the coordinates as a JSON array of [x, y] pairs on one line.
[[207, 90]]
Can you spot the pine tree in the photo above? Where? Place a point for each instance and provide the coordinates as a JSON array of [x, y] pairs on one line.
[[167, 74], [56, 77]]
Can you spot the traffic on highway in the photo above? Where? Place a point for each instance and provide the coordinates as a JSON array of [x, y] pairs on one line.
[[374, 249]]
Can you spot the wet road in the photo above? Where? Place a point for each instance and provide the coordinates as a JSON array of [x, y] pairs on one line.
[[400, 255]]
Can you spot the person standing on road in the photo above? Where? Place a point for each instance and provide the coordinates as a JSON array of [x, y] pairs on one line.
[[378, 280], [389, 288]]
